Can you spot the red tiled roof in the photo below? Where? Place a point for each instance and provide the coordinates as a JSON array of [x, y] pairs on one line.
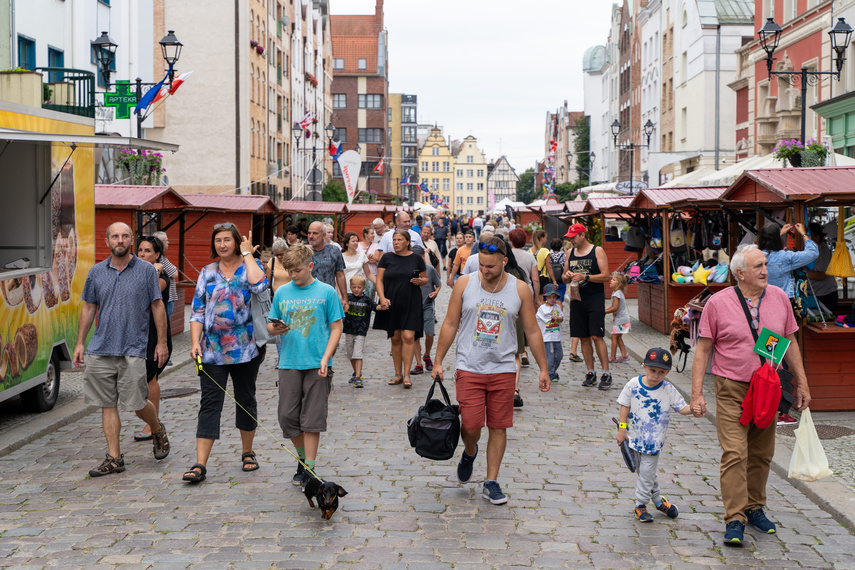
[[575, 206], [573, 116], [306, 207], [798, 183], [351, 50], [344, 25], [661, 197], [139, 197], [596, 205], [234, 202]]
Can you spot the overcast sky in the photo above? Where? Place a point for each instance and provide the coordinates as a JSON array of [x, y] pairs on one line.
[[490, 68]]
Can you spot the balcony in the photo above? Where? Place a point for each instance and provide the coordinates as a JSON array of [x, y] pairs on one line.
[[68, 90]]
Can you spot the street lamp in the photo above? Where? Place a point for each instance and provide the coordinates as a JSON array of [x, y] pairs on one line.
[[648, 132], [591, 156], [105, 53], [770, 35], [314, 174]]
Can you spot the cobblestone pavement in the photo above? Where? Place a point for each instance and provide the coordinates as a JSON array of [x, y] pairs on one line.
[[570, 498]]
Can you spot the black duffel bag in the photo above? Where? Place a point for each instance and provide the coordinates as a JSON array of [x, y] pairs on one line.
[[435, 431]]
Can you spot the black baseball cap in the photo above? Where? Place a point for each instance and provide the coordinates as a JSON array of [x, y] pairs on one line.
[[658, 358]]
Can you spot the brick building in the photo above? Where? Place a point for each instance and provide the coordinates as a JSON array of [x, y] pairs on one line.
[[360, 91]]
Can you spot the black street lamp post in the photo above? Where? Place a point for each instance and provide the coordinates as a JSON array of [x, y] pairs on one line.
[[591, 157], [314, 176], [770, 35], [170, 48], [648, 132]]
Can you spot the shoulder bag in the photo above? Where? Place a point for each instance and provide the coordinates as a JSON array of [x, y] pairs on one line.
[[435, 430]]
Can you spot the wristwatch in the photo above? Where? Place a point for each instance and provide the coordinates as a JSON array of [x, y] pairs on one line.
[[246, 253], [587, 278]]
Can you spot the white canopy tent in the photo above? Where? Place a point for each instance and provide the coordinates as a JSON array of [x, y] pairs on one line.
[[424, 208], [502, 204]]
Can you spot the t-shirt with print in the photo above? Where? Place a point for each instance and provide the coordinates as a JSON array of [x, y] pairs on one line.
[[649, 413], [550, 329], [357, 319], [327, 262], [723, 321], [308, 311], [621, 316]]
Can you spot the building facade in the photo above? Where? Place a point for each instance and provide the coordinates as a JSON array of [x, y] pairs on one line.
[[436, 168], [360, 91], [595, 80], [404, 149], [502, 182], [470, 177]]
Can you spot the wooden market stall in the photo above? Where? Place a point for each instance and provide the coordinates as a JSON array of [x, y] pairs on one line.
[[826, 350], [145, 209], [609, 207]]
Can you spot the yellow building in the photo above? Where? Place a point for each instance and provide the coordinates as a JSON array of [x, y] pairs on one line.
[[436, 166], [470, 178]]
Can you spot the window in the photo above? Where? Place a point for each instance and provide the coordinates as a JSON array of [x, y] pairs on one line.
[[389, 115], [460, 187], [338, 63], [409, 152], [460, 199], [408, 134], [434, 166], [480, 186], [434, 151], [340, 135], [446, 166], [480, 200], [459, 173], [424, 166], [469, 173], [362, 63], [371, 136], [435, 184], [56, 58], [470, 186], [684, 62], [370, 101], [480, 173], [408, 114], [336, 169], [684, 129], [469, 200], [446, 184], [339, 101], [470, 159]]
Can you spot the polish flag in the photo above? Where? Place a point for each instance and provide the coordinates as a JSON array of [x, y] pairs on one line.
[[176, 83]]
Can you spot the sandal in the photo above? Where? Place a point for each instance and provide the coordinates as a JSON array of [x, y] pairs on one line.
[[249, 461], [195, 474], [407, 383], [396, 380], [142, 436]]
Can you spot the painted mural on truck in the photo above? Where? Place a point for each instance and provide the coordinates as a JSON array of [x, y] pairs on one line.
[[40, 310]]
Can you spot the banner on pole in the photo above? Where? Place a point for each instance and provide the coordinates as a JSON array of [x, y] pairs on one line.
[[350, 162]]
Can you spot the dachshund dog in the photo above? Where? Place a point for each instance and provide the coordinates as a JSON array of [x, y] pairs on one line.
[[326, 493]]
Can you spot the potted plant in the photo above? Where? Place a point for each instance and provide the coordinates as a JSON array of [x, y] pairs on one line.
[[789, 151], [814, 153]]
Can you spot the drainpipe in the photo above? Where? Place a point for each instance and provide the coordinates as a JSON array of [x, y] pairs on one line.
[[717, 91]]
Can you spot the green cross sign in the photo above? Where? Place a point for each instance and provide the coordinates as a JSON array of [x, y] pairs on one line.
[[123, 100]]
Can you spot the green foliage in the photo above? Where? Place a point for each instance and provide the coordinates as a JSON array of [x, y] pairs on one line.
[[47, 92], [526, 192], [595, 231], [334, 191]]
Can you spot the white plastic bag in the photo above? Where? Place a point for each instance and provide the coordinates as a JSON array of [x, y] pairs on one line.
[[809, 462]]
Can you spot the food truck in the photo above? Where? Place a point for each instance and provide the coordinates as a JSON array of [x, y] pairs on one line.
[[47, 243]]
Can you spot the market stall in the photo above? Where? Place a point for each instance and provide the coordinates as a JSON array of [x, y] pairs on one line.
[[826, 348], [602, 209]]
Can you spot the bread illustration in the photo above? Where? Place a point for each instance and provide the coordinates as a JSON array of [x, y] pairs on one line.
[[13, 291], [26, 345], [49, 289], [32, 293], [9, 362]]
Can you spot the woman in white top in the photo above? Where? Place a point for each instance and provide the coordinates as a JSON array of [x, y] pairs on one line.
[[354, 260], [369, 246]]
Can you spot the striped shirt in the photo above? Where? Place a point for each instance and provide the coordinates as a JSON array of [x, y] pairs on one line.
[[172, 272], [124, 301]]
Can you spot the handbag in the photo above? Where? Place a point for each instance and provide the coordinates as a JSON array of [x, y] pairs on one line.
[[785, 376], [677, 235], [434, 431], [260, 306], [808, 462]]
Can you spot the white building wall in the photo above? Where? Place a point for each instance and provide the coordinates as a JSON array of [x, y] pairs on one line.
[[596, 106], [651, 80]]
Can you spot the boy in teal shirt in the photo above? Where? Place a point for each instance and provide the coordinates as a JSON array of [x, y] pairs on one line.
[[308, 314]]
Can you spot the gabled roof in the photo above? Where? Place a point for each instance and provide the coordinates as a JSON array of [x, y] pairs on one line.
[[307, 207], [354, 38], [654, 198], [234, 202], [824, 184], [601, 204], [138, 197]]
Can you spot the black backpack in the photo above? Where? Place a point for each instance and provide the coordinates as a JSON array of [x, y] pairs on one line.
[[435, 431]]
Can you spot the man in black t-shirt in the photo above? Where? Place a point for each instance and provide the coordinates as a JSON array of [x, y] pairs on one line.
[[587, 267]]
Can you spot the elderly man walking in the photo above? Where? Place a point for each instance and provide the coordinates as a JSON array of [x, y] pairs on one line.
[[725, 333], [402, 222], [328, 262], [123, 291]]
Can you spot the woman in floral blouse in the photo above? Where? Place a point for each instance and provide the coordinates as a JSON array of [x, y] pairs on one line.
[[221, 330]]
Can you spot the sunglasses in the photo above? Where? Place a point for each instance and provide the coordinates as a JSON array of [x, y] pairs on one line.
[[490, 248], [755, 317], [225, 226]]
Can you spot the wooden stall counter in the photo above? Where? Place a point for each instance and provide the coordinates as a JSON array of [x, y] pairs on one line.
[[618, 259], [651, 301], [827, 355]]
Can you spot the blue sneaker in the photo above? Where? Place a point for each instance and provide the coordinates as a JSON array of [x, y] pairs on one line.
[[357, 382], [760, 522], [464, 468], [733, 532], [493, 493]]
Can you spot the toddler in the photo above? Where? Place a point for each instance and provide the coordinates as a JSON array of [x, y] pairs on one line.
[[620, 325], [549, 316], [356, 322]]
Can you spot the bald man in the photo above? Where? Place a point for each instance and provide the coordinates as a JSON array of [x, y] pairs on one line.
[[402, 222], [124, 292], [328, 262]]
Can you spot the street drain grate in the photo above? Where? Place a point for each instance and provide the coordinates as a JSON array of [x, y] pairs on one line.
[[824, 432], [176, 392]]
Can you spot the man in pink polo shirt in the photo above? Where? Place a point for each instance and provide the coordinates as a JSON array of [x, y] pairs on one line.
[[725, 333]]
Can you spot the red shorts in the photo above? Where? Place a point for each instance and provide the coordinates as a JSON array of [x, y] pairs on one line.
[[486, 395]]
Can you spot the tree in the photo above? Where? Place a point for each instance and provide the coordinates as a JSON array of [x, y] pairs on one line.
[[582, 147], [526, 192], [334, 191]]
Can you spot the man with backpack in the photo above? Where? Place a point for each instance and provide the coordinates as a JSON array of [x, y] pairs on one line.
[[587, 270]]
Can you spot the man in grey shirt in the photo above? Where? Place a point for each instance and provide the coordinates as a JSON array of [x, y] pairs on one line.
[[328, 262], [402, 222], [482, 315], [123, 290]]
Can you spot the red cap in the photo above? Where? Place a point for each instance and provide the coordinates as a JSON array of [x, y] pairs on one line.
[[575, 230]]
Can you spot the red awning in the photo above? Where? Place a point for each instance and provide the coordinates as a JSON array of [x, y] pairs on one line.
[[234, 202], [828, 184], [147, 198], [655, 198]]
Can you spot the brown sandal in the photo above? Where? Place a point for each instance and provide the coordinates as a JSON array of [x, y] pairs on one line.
[[407, 383], [396, 380]]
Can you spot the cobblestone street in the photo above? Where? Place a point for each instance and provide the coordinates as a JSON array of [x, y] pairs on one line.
[[570, 497]]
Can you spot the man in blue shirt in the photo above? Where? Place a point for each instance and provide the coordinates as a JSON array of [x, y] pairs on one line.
[[122, 290]]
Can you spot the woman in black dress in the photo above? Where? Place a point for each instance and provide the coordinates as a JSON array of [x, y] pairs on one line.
[[400, 273], [151, 250]]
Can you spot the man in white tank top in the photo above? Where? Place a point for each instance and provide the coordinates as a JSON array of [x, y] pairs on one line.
[[482, 316]]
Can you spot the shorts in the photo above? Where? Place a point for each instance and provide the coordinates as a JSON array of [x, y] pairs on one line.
[[486, 395], [588, 318], [562, 290], [354, 346], [115, 381], [303, 401], [429, 319], [620, 329]]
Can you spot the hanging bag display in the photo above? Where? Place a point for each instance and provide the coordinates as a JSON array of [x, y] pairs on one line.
[[656, 235], [808, 462], [634, 239], [715, 235], [699, 237], [435, 430], [677, 234]]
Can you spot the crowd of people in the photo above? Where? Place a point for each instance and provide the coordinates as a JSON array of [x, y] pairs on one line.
[[505, 301]]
